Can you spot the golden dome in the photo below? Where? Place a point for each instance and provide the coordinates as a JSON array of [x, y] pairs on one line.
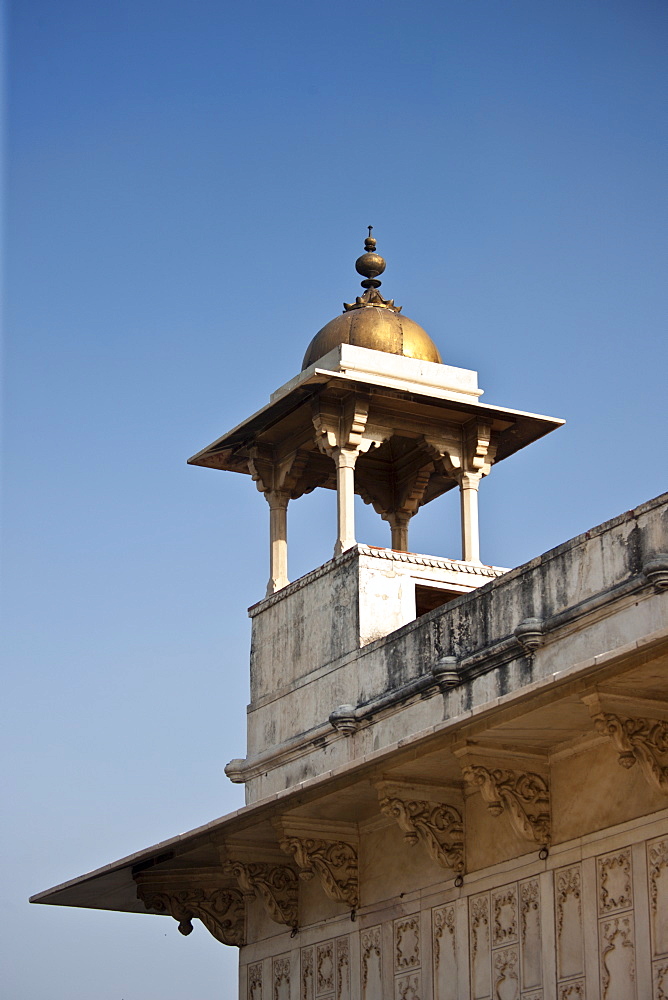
[[372, 321]]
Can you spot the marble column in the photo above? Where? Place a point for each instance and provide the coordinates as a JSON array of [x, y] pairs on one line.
[[468, 488], [278, 539]]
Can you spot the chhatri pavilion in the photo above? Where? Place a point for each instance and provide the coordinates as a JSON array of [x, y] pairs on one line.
[[456, 775]]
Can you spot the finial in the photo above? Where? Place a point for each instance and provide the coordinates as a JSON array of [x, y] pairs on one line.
[[370, 264]]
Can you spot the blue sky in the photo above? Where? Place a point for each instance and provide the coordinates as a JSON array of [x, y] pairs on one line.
[[186, 189]]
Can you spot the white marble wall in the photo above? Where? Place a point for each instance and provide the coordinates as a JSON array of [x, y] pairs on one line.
[[589, 923]]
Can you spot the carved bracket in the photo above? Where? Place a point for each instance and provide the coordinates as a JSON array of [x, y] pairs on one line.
[[341, 429], [274, 476], [523, 795], [638, 740], [222, 911], [334, 862], [472, 456], [274, 885], [437, 825]]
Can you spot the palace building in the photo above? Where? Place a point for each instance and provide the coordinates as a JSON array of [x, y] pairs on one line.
[[456, 774]]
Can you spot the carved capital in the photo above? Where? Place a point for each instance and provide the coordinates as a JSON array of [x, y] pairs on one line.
[[274, 885], [341, 427], [222, 911], [640, 740], [277, 476], [437, 825], [468, 459], [334, 862], [523, 795]]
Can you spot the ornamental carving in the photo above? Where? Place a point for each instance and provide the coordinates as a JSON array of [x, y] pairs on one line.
[[568, 906], [438, 826], [274, 885], [638, 740], [255, 981], [530, 934], [407, 943], [342, 967], [618, 971], [575, 990], [221, 911], [444, 928], [660, 980], [306, 984], [334, 862], [657, 864], [370, 943], [615, 886], [523, 795], [281, 977], [504, 910], [408, 987], [324, 965], [506, 973]]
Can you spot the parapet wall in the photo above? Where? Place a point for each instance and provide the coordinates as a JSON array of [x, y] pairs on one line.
[[590, 595]]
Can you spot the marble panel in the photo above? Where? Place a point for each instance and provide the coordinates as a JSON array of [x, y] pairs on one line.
[[371, 963], [280, 974], [657, 870], [480, 946], [615, 882], [307, 977], [504, 916], [572, 990], [408, 987], [342, 954], [506, 974], [530, 934], [407, 943], [660, 980], [568, 921], [324, 968], [617, 958], [444, 951], [255, 981]]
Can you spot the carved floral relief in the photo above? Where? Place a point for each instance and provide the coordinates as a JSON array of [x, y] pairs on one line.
[[306, 979], [523, 795], [568, 907], [530, 934], [371, 959], [221, 911], [438, 826], [343, 968], [334, 862], [324, 968], [444, 953], [407, 942], [281, 976], [506, 974], [573, 990], [657, 865], [408, 987], [255, 981], [274, 885], [660, 980], [638, 740], [480, 943], [617, 958], [615, 884], [504, 911]]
